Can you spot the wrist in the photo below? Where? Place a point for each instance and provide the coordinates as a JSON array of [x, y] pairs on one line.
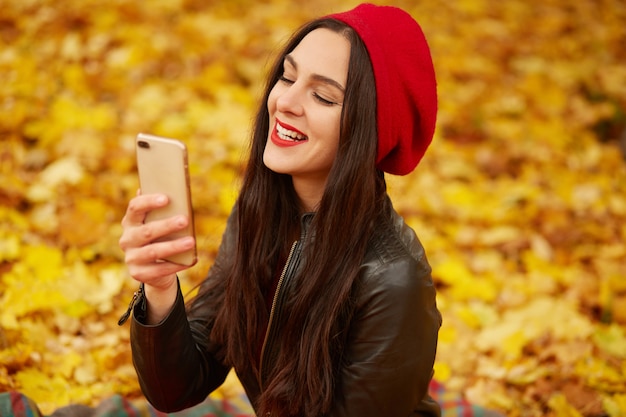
[[160, 300]]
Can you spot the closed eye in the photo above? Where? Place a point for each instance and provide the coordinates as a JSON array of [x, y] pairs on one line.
[[286, 80], [323, 100]]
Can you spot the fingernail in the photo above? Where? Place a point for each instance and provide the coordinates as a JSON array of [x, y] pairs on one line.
[[187, 242], [161, 200]]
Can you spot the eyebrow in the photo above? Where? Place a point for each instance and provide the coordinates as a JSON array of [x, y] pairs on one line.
[[317, 77]]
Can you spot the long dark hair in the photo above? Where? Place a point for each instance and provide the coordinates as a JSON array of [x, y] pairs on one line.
[[312, 341]]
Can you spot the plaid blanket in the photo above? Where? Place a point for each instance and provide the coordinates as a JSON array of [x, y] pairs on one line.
[[15, 404]]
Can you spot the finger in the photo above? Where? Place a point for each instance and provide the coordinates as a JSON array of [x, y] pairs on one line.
[[147, 264], [140, 205], [155, 253], [153, 273], [157, 230], [136, 236]]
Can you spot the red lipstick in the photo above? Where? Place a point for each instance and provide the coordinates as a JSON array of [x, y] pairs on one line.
[[284, 135]]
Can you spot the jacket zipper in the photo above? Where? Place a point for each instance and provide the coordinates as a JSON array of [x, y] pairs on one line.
[[272, 310], [137, 297]]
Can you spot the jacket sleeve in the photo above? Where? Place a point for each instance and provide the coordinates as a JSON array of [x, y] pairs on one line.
[[175, 360], [392, 344]]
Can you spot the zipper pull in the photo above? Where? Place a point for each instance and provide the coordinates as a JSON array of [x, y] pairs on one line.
[[136, 296]]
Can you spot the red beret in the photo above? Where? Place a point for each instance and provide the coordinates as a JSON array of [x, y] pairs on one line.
[[406, 87]]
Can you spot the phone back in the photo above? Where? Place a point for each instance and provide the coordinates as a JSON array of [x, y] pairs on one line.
[[163, 168]]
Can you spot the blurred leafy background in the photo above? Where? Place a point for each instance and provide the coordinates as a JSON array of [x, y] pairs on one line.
[[520, 202]]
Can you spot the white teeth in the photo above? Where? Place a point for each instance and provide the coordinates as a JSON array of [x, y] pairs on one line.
[[287, 134]]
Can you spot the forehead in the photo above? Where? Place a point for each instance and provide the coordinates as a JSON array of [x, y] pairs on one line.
[[323, 52]]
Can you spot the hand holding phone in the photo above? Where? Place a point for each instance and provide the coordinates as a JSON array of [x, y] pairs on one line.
[[163, 168]]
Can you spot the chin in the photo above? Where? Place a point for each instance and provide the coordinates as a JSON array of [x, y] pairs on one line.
[[274, 166]]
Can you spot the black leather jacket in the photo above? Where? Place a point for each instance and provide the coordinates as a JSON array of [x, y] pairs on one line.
[[391, 347]]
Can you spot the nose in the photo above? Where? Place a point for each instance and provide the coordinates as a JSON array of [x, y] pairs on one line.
[[290, 99]]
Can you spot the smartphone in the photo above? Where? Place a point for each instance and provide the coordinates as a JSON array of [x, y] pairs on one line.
[[163, 168]]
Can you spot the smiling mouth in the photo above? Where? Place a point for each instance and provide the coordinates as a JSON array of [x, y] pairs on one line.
[[289, 135]]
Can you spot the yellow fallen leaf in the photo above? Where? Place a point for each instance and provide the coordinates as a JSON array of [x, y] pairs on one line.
[[465, 285], [62, 171], [47, 391], [9, 246], [561, 407], [611, 339], [615, 405], [518, 326], [442, 372]]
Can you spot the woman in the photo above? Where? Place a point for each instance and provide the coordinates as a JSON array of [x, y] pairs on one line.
[[320, 297]]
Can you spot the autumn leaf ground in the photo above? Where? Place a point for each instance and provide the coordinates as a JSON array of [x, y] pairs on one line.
[[520, 202]]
